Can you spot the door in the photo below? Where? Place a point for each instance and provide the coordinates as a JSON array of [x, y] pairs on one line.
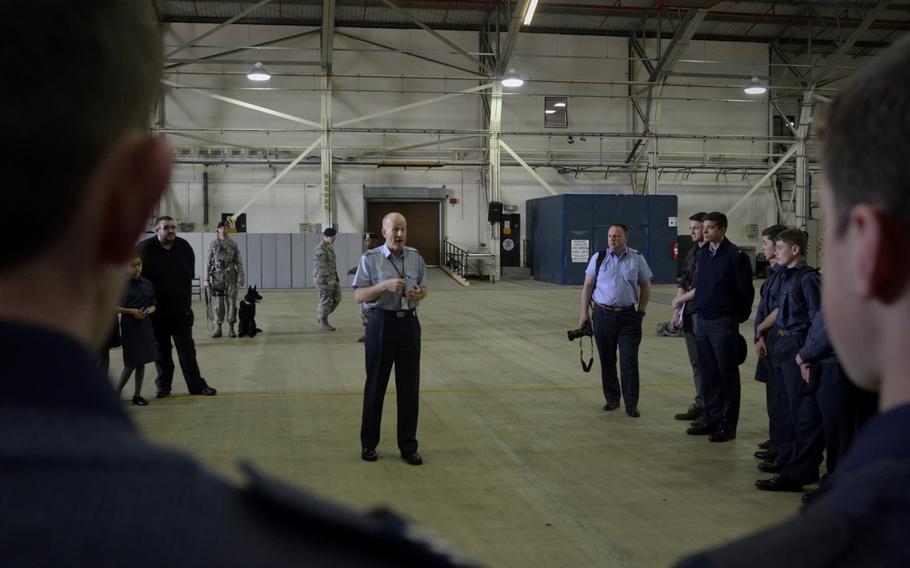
[[510, 240], [424, 231]]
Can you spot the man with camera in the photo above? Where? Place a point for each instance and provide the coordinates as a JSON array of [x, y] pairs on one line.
[[616, 281]]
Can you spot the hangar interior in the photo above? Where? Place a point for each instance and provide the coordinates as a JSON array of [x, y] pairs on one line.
[[402, 101]]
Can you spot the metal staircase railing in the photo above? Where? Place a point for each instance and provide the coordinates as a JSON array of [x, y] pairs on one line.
[[455, 258]]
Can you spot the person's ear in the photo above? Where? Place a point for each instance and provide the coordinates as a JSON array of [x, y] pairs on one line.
[[879, 243], [133, 185]]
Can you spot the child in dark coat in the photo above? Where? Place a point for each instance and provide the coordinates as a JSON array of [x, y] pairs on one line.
[[138, 337]]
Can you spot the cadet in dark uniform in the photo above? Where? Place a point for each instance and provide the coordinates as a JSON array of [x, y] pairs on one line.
[[799, 302], [861, 518], [780, 434], [619, 291], [391, 281], [170, 264], [723, 299], [682, 303], [79, 484]]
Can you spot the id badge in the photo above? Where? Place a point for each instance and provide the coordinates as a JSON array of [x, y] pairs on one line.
[[405, 303]]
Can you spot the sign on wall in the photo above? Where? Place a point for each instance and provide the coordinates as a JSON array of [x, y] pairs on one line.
[[580, 250]]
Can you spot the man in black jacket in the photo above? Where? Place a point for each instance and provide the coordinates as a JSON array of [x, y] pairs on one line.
[[723, 299], [79, 485], [170, 264]]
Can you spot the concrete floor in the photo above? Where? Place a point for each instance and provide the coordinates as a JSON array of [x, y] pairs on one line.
[[522, 467]]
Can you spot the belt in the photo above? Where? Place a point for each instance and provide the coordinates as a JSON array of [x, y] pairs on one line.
[[785, 333], [398, 314], [615, 308]]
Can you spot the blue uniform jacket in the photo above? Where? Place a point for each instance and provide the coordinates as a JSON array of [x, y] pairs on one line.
[[79, 486], [723, 285], [818, 347], [769, 292], [796, 314]]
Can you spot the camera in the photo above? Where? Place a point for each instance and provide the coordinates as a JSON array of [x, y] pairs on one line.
[[584, 330]]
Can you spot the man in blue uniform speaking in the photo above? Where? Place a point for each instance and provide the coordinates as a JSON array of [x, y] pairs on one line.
[[616, 280], [391, 281]]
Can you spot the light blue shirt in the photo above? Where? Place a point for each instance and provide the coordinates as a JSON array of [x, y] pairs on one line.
[[379, 264], [620, 277]]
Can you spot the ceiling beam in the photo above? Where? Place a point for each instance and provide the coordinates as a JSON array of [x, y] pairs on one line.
[[226, 23]]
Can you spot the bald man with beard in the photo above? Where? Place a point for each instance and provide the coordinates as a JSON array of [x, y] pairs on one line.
[[391, 281]]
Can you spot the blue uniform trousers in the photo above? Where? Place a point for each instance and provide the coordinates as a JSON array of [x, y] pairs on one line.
[[715, 340], [801, 465], [780, 422], [392, 338], [622, 330]]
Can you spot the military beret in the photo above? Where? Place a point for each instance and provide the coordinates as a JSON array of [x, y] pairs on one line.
[[330, 232]]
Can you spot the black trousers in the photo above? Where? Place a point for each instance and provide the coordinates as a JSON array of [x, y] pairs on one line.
[[780, 422], [622, 330], [805, 415], [715, 340], [180, 328], [392, 340]]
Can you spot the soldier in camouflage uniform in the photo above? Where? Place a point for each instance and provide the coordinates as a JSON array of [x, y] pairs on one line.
[[325, 277], [370, 241], [224, 276]]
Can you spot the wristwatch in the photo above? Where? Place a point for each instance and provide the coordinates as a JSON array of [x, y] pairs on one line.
[[642, 312]]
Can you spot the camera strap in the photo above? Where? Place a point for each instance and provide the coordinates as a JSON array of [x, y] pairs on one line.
[[586, 367]]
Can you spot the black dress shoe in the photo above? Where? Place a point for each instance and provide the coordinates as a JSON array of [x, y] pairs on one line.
[[412, 458], [765, 445], [765, 455], [700, 430], [633, 412], [769, 467], [611, 406], [369, 455], [779, 483], [206, 391], [162, 394], [811, 496], [139, 401], [722, 435], [693, 413]]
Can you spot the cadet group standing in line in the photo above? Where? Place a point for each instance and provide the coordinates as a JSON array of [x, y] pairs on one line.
[[325, 277], [224, 276]]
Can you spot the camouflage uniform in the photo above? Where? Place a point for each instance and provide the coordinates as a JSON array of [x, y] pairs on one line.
[[225, 276], [325, 273]]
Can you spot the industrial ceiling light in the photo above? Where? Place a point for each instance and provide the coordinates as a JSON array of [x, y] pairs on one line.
[[511, 79], [530, 13], [755, 87], [258, 73]]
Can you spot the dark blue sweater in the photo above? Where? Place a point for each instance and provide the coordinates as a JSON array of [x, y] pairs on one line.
[[723, 286]]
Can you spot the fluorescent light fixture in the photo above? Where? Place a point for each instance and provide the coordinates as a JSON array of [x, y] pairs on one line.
[[258, 73], [755, 87], [560, 104], [511, 79], [530, 13], [550, 111]]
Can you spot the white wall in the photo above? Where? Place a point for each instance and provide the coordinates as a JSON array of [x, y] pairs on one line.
[[297, 197]]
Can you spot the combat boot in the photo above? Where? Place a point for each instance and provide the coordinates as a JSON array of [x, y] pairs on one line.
[[324, 325], [231, 332], [217, 333]]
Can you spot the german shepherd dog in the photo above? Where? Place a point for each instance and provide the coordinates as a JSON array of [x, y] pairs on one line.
[[248, 313]]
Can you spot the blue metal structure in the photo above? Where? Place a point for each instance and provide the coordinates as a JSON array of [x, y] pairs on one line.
[[564, 229]]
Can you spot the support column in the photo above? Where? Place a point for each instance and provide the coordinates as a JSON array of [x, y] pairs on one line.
[[495, 188], [803, 197], [328, 190]]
